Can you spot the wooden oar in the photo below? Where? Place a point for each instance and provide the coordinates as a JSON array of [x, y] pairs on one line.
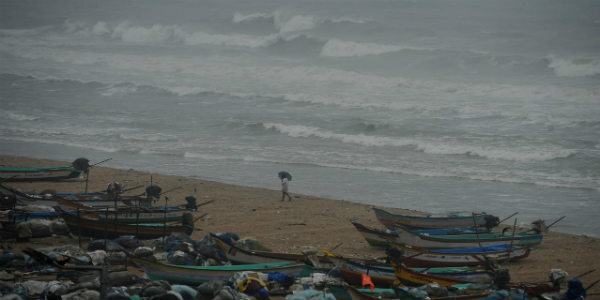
[[508, 217], [559, 219], [175, 188], [511, 240], [87, 177], [9, 178], [162, 193], [204, 203], [198, 218], [585, 273], [476, 230], [547, 227], [336, 246], [591, 285], [100, 162], [124, 190]]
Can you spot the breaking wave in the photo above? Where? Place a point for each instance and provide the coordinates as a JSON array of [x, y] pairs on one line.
[[148, 137], [102, 148], [300, 23], [20, 117], [518, 177], [361, 139], [563, 67], [513, 154], [240, 18], [159, 33], [423, 144], [119, 90], [27, 32], [337, 48]]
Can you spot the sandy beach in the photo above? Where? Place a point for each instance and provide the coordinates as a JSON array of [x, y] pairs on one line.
[[306, 221]]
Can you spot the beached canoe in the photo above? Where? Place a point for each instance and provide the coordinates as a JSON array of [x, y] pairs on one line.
[[458, 257], [54, 200], [92, 200], [411, 277], [449, 220], [38, 174], [376, 237], [340, 292], [79, 225], [384, 275], [126, 215], [353, 293], [194, 275], [406, 236], [238, 255], [381, 237]]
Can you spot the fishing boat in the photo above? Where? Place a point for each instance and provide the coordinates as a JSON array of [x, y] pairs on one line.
[[385, 275], [381, 237], [406, 236], [238, 255], [449, 220], [82, 226], [38, 174], [459, 257], [91, 199], [353, 293], [126, 215], [340, 292], [194, 275], [412, 277], [376, 237], [54, 200]]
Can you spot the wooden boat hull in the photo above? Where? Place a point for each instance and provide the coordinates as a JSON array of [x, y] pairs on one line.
[[413, 257], [126, 215], [102, 229], [381, 276], [195, 275], [238, 255], [51, 201], [385, 275], [340, 292], [406, 237], [450, 221], [356, 294], [375, 238], [38, 174], [414, 278]]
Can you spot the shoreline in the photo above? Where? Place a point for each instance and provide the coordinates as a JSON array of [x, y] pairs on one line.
[[322, 223]]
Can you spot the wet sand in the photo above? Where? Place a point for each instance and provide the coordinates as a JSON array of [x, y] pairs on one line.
[[306, 221]]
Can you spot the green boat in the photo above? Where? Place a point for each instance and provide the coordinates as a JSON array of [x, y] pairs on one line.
[[348, 292], [198, 274], [38, 174]]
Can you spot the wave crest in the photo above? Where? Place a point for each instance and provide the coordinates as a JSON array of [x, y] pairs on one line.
[[495, 153], [338, 48], [428, 146], [581, 67], [240, 18], [21, 117]]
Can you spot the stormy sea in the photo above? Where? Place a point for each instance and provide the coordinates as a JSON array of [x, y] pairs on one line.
[[454, 105]]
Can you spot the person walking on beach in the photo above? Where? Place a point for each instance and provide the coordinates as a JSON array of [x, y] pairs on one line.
[[284, 189]]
